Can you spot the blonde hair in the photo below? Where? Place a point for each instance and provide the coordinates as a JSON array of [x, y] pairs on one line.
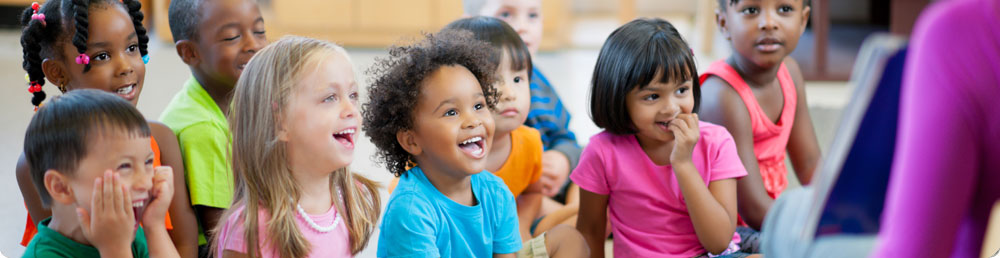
[[262, 173]]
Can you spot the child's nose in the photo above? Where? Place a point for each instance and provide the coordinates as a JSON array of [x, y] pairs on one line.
[[124, 66], [470, 120], [142, 179], [348, 109], [767, 21]]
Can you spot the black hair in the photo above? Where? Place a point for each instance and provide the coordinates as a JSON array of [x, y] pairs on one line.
[[393, 95], [501, 36], [723, 4], [41, 40], [632, 57], [183, 16], [61, 131]]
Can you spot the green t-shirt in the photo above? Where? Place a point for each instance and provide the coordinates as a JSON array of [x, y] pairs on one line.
[[203, 134], [49, 243]]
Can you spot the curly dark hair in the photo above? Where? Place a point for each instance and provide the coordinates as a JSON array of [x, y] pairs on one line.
[[393, 95]]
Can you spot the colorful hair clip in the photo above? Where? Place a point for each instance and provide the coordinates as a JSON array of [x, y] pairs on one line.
[[27, 78], [37, 16], [83, 59], [145, 59], [35, 87]]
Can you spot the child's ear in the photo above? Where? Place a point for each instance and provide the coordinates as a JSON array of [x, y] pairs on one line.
[[57, 184], [188, 52], [409, 142], [720, 20], [54, 71], [806, 11]]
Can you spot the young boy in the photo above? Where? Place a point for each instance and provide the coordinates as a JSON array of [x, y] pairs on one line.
[[215, 39], [92, 163], [516, 153], [759, 95], [547, 112]]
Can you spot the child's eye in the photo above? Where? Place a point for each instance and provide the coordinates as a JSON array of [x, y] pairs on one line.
[[682, 90], [332, 97], [232, 38], [124, 166], [517, 79], [261, 32], [102, 56], [533, 15], [450, 112], [132, 48], [149, 162], [505, 14], [785, 9], [354, 96], [651, 97], [750, 10], [479, 106]]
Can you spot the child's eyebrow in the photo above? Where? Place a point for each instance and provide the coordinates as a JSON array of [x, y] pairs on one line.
[[106, 44], [451, 100]]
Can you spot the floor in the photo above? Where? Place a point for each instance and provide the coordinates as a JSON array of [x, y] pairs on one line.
[[568, 69]]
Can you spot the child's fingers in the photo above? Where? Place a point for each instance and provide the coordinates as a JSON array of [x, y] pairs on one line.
[[97, 197], [118, 193], [127, 202], [109, 190], [84, 219]]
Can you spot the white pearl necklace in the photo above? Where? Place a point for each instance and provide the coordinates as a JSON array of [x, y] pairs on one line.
[[317, 227]]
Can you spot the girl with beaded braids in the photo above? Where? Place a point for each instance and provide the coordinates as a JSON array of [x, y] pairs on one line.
[[97, 44]]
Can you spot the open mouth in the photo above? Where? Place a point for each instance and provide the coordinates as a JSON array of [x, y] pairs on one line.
[[473, 147], [664, 125], [138, 207], [127, 91], [345, 137], [240, 67]]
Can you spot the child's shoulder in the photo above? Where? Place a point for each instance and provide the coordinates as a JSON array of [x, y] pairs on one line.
[[713, 134], [795, 71]]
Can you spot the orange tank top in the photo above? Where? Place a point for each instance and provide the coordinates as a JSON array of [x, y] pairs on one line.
[[770, 139], [30, 229]]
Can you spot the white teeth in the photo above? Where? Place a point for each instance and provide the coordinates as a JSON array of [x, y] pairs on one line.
[[477, 152], [126, 90], [138, 204], [473, 139], [348, 131]]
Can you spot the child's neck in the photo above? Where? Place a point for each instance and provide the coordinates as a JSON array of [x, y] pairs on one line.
[[499, 152], [754, 75], [456, 185], [65, 222], [657, 151], [220, 93], [314, 188]]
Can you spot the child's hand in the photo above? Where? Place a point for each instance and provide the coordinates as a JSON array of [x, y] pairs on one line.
[[162, 193], [111, 227], [686, 133], [555, 172]]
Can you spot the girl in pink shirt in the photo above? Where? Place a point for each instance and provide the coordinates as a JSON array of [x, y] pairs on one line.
[[293, 120], [666, 181]]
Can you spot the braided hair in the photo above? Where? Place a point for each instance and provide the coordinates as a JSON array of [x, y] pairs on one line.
[[42, 30]]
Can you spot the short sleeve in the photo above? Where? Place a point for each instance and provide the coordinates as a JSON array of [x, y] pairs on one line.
[[209, 173], [536, 155], [507, 238], [725, 162], [408, 230], [590, 173]]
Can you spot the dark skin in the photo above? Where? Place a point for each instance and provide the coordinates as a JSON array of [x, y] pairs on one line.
[[117, 67], [229, 33], [763, 33]]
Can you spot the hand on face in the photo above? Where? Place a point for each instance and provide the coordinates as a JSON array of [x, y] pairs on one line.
[[162, 194], [110, 224], [686, 133]]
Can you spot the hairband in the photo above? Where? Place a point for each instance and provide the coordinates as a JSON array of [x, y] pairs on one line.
[[37, 16], [145, 59], [83, 59]]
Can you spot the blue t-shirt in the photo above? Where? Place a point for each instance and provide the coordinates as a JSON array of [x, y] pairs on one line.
[[420, 221]]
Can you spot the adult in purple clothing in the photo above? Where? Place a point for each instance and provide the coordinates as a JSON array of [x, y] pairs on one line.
[[947, 165]]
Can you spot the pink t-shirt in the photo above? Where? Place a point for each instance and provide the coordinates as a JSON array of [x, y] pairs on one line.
[[648, 215], [331, 244]]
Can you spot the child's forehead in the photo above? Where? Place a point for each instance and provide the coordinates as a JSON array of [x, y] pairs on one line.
[[219, 13]]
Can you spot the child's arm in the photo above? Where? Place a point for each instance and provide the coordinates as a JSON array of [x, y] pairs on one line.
[[528, 206], [722, 105], [157, 238], [185, 231], [593, 217], [803, 148], [28, 192], [110, 224], [712, 208]]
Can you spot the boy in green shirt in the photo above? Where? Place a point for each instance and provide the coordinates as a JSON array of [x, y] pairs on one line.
[[91, 160]]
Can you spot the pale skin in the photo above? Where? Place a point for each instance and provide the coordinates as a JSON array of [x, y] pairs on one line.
[[744, 24], [667, 133]]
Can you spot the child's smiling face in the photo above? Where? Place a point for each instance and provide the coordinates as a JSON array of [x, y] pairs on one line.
[[115, 61], [653, 107], [524, 16], [322, 116], [121, 152], [764, 31], [515, 96], [228, 35], [452, 124]]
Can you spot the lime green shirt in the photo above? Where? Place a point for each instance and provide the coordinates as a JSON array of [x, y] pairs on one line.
[[49, 243], [203, 134]]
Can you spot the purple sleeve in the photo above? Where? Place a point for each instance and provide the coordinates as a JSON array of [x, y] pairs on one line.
[[939, 140], [591, 174]]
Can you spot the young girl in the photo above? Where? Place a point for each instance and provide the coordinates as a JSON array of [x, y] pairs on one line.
[[667, 181], [758, 94], [293, 121], [97, 44], [429, 114]]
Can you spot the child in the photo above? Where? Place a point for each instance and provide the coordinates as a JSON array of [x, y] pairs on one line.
[[429, 115], [215, 39], [291, 157], [666, 180], [92, 163], [758, 94], [517, 149], [104, 50], [547, 112]]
